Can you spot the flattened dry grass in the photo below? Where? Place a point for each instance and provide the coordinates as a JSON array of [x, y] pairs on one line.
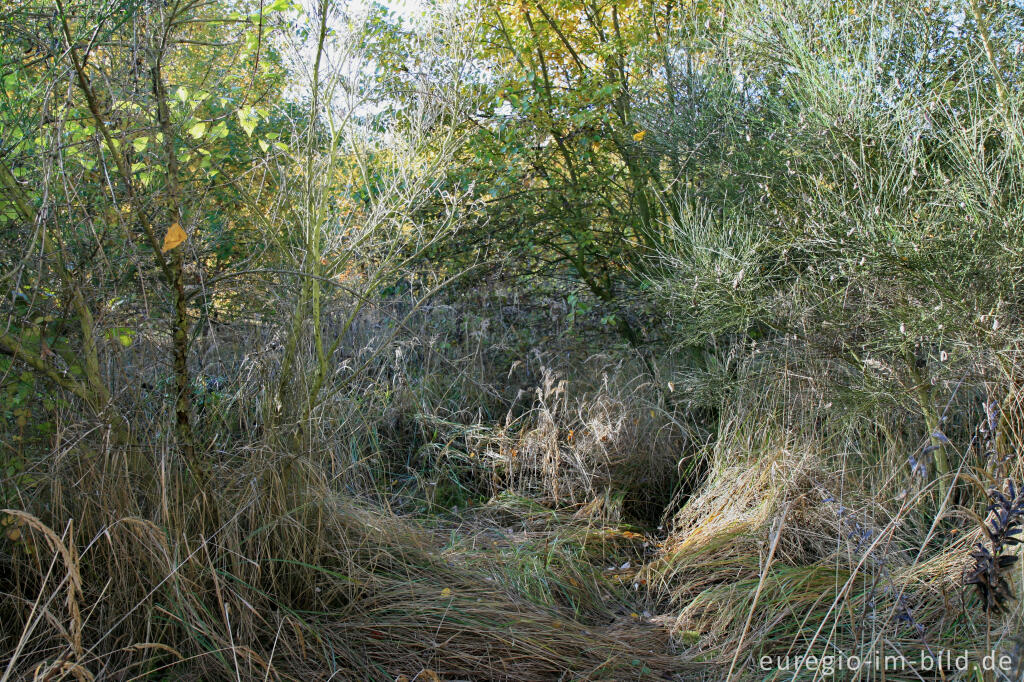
[[270, 573], [765, 561]]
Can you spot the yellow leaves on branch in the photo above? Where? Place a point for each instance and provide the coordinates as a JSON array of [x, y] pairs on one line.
[[174, 238], [639, 137]]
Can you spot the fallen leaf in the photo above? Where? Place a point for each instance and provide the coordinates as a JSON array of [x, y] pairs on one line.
[[639, 137], [175, 237], [428, 675], [446, 592]]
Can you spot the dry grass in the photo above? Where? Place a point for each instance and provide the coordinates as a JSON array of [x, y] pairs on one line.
[[786, 551], [420, 537], [272, 574]]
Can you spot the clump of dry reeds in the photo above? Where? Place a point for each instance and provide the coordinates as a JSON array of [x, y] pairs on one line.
[[271, 573]]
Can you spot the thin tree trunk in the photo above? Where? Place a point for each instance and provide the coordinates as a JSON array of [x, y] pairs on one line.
[[176, 277], [926, 401]]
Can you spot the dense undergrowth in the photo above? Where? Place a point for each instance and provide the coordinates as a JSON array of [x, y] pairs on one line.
[[531, 341], [489, 526]]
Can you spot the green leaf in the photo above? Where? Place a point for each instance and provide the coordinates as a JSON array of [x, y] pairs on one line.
[[122, 335], [198, 130], [247, 120], [182, 94], [140, 144]]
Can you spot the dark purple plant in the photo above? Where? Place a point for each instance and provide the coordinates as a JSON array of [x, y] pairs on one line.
[[1006, 513]]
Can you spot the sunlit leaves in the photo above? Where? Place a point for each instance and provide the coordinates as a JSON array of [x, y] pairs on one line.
[[174, 238], [556, 150], [122, 335], [247, 120]]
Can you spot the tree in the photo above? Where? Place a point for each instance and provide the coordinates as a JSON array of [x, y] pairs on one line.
[[120, 170], [886, 246], [573, 176]]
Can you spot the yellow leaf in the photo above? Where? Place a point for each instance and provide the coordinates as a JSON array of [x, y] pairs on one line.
[[446, 592], [14, 535], [428, 675], [639, 137], [175, 237]]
